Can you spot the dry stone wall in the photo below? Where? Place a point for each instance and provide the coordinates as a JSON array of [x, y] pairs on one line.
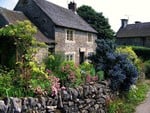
[[88, 98]]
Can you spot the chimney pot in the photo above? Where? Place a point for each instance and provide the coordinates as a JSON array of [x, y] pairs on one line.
[[72, 6], [124, 23], [137, 22]]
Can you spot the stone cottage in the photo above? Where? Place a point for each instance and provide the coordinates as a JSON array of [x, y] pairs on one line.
[[11, 17], [71, 34], [137, 34]]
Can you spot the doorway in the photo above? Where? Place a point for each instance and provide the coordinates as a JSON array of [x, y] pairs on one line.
[[81, 57]]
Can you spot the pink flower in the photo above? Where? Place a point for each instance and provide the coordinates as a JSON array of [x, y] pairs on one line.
[[67, 66], [54, 91], [88, 78], [63, 88], [55, 85], [48, 71], [95, 78]]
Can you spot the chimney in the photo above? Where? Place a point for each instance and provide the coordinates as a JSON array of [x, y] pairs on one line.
[[72, 6], [137, 22], [24, 1], [124, 23]]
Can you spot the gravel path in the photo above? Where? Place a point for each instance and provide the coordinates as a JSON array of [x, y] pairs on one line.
[[145, 106]]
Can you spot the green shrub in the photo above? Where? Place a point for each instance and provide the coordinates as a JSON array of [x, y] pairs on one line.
[[18, 82], [147, 68], [70, 74], [5, 82], [88, 69], [131, 55], [114, 106], [142, 52], [53, 62], [137, 94], [128, 101], [100, 75], [86, 66], [127, 51], [12, 85]]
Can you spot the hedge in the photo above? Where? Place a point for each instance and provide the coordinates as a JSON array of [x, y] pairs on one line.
[[142, 52]]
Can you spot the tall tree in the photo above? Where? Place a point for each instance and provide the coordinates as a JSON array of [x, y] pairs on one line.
[[97, 21]]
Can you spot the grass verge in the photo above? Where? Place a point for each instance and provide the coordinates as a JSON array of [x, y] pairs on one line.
[[128, 102]]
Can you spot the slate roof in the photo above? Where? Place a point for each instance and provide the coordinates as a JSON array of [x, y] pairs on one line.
[[63, 17], [135, 30], [14, 16]]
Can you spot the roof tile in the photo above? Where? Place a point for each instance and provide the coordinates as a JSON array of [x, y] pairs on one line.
[[135, 30], [14, 16], [64, 17]]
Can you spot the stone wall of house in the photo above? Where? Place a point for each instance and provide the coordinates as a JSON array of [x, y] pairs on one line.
[[80, 43], [3, 22], [88, 98], [41, 54], [147, 42], [129, 41], [139, 41], [36, 16]]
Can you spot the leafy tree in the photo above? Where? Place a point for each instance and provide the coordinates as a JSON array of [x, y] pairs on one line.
[[97, 21]]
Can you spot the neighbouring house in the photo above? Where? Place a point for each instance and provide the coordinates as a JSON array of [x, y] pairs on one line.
[[137, 34], [11, 17], [72, 35]]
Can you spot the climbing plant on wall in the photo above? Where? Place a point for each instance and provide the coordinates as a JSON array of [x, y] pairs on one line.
[[21, 38]]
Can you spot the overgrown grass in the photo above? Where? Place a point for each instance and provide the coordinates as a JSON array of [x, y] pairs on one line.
[[128, 102]]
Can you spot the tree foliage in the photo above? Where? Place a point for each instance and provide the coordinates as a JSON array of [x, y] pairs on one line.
[[96, 20]]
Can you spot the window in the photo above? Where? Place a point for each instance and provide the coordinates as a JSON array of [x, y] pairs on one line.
[[90, 54], [89, 35], [69, 35], [69, 56]]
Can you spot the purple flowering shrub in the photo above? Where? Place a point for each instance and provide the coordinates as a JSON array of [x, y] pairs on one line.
[[116, 67]]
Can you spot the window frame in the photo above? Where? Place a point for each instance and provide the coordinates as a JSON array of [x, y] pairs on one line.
[[91, 38], [70, 35], [69, 54]]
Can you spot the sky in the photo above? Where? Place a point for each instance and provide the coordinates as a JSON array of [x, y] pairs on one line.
[[114, 10]]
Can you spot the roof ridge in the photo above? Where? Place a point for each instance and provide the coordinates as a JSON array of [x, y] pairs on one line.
[[139, 23], [14, 11], [17, 15], [52, 4], [63, 17], [3, 14]]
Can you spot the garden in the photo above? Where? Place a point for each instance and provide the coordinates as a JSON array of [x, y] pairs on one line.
[[21, 74]]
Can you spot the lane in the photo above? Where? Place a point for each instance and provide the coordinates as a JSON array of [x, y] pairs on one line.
[[145, 106]]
